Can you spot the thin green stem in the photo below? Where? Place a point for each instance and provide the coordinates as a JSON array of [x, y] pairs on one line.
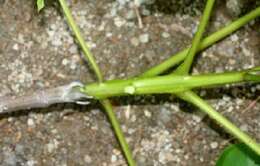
[[184, 68], [80, 39], [208, 41], [230, 127], [120, 136], [106, 104]]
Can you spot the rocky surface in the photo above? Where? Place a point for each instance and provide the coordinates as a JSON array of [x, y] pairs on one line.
[[37, 50]]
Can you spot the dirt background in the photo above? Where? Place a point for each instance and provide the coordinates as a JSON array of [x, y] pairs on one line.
[[37, 51]]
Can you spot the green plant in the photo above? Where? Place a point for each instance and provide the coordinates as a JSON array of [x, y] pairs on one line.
[[179, 83], [238, 154], [40, 4]]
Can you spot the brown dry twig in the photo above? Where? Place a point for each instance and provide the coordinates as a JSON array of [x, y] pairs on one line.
[[251, 105], [43, 98]]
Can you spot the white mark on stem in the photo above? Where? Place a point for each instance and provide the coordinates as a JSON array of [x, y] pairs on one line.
[[186, 78], [129, 89]]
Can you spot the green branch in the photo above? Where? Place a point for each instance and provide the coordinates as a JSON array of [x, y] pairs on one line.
[[231, 128], [184, 68], [208, 41], [189, 96], [166, 84], [169, 84], [106, 104]]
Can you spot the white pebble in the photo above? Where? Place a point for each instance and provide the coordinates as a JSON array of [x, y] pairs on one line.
[[147, 113], [109, 34], [16, 47], [119, 22], [31, 163], [122, 2], [87, 159], [134, 41], [165, 35], [144, 38], [50, 147], [56, 42], [113, 158], [196, 118], [214, 145], [30, 122], [65, 62], [230, 109], [234, 38], [73, 49]]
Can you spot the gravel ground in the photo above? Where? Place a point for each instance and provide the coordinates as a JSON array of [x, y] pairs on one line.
[[37, 51]]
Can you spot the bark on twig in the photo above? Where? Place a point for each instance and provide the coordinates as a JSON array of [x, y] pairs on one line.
[[43, 98]]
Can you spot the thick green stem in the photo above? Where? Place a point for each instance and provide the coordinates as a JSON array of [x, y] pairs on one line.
[[208, 41], [106, 104], [230, 127], [165, 84], [184, 68]]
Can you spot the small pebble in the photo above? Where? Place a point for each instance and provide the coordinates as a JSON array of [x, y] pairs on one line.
[[234, 38], [30, 122], [113, 158], [56, 42], [144, 38], [230, 109], [73, 49], [87, 159], [196, 118], [133, 118], [214, 145], [15, 47], [134, 41], [50, 147], [165, 35], [31, 163], [109, 34], [119, 22], [147, 113], [65, 62]]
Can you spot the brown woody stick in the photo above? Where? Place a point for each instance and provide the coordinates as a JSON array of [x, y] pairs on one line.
[[43, 98]]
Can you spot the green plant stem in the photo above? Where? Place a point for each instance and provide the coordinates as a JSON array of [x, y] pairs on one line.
[[193, 98], [80, 39], [208, 41], [184, 68], [106, 104], [158, 69], [165, 84], [120, 136], [232, 129]]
